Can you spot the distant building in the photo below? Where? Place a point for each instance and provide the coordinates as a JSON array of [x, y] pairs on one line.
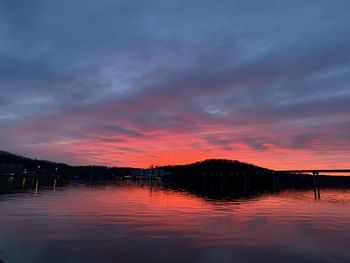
[[153, 172]]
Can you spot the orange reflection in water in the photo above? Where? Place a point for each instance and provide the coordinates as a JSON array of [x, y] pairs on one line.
[[115, 215], [156, 210]]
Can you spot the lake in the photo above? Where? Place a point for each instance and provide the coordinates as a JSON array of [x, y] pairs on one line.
[[129, 221]]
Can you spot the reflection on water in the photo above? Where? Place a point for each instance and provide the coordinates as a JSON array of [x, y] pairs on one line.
[[128, 221]]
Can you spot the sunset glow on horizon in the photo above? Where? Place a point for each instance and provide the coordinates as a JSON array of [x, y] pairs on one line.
[[141, 83]]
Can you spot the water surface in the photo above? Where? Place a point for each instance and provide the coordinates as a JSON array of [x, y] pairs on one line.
[[135, 222]]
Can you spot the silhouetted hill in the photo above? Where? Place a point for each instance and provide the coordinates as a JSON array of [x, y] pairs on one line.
[[206, 166], [12, 163], [13, 159], [218, 176], [215, 166]]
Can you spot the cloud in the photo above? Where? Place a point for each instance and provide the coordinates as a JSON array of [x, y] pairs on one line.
[[116, 79]]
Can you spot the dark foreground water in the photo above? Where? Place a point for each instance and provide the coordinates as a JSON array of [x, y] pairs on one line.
[[134, 222]]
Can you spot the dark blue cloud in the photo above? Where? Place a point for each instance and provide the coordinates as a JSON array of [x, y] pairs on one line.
[[108, 69]]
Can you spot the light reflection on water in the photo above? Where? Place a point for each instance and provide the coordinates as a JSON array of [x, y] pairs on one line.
[[128, 222]]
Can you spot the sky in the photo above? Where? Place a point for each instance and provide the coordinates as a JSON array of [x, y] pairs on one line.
[[136, 83]]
